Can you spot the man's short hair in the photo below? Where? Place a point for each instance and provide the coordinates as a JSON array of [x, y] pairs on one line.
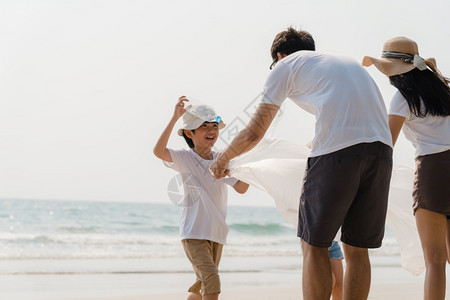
[[290, 41]]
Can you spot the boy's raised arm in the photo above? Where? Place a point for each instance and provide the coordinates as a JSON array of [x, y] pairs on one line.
[[160, 150]]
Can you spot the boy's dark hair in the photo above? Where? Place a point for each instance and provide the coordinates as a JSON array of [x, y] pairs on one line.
[[188, 140], [417, 86], [290, 41]]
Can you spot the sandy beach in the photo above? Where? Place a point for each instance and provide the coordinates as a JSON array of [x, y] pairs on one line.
[[387, 291], [384, 291], [389, 281]]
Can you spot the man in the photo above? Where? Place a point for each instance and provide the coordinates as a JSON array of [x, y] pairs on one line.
[[346, 182]]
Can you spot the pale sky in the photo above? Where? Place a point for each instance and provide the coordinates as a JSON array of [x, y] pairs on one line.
[[86, 87]]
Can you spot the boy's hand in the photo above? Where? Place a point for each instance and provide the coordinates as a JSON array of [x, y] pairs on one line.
[[179, 108]]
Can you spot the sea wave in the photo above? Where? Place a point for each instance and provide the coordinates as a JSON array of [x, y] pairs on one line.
[[261, 228], [66, 230]]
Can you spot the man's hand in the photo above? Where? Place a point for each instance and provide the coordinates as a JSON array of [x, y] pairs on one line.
[[219, 168], [247, 138]]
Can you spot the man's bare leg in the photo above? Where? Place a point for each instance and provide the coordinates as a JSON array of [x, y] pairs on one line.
[[357, 273], [316, 273]]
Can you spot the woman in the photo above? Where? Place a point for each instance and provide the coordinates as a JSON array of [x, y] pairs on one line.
[[421, 106]]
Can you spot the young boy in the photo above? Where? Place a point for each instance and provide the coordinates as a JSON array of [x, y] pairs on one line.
[[203, 228]]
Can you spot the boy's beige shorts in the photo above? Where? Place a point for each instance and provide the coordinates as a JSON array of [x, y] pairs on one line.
[[204, 256]]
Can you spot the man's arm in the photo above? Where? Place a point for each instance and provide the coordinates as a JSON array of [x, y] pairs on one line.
[[247, 138]]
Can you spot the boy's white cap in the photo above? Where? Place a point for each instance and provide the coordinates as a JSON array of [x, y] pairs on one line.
[[196, 115]]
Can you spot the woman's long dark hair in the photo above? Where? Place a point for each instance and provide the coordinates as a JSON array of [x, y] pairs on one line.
[[425, 85]]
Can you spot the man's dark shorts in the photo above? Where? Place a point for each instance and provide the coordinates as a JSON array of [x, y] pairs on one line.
[[348, 187]]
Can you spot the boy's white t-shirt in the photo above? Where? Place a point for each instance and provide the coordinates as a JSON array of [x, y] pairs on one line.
[[205, 197], [428, 135], [347, 103]]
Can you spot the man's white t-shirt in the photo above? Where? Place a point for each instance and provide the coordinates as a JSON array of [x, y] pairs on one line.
[[428, 135], [205, 197], [347, 103]]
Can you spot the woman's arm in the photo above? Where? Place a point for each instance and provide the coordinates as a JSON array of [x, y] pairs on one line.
[[395, 125], [160, 150]]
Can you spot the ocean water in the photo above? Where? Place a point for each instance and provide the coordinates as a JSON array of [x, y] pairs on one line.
[[77, 230]]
